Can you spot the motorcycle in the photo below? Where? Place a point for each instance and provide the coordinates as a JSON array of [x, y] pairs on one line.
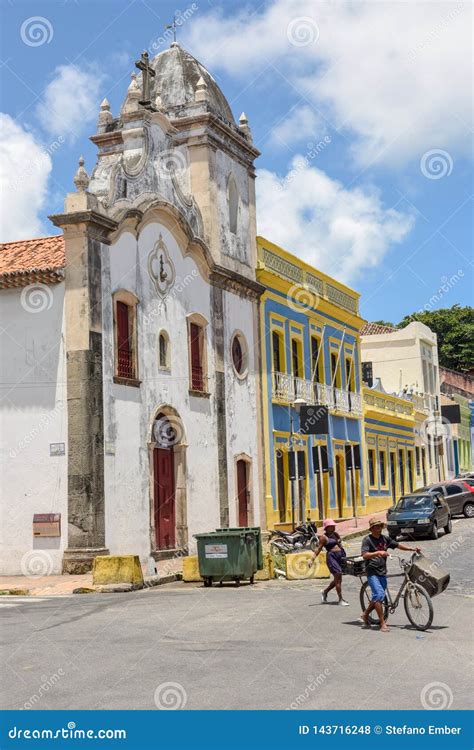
[[303, 537]]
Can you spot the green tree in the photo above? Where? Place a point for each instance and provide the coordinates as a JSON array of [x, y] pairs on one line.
[[384, 323], [454, 327]]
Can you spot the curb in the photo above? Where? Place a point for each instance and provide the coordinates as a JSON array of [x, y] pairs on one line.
[[355, 534], [124, 588], [160, 580]]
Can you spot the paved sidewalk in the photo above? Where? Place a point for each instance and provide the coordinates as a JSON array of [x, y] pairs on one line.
[[350, 527], [65, 584]]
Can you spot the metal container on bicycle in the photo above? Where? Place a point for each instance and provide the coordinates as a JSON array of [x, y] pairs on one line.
[[354, 566], [429, 575]]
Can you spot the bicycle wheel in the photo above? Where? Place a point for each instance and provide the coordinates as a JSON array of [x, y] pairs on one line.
[[418, 606], [366, 598]]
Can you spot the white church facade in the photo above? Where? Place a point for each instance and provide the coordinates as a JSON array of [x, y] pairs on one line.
[[132, 412]]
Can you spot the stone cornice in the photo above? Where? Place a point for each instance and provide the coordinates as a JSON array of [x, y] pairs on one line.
[[101, 223], [235, 282], [209, 119]]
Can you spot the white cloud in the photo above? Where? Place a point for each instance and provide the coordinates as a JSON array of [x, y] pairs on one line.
[[302, 123], [395, 74], [71, 101], [341, 231], [24, 170]]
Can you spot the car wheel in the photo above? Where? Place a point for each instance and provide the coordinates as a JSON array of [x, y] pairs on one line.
[[449, 527], [468, 510], [434, 531]]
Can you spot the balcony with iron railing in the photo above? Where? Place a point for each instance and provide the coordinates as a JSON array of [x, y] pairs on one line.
[[125, 364], [286, 389]]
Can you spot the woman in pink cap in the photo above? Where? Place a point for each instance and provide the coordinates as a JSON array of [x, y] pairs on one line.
[[331, 541]]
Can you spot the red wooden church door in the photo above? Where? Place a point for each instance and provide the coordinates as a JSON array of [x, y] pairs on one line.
[[242, 493], [165, 523]]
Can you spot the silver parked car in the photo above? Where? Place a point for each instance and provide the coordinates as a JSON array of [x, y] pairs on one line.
[[459, 495]]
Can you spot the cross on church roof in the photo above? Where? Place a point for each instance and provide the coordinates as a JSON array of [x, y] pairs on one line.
[[143, 64], [173, 26]]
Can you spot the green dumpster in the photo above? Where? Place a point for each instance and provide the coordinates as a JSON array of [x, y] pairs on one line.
[[257, 530], [228, 555]]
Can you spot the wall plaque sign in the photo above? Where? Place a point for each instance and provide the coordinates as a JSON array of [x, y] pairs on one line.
[[57, 449], [47, 524]]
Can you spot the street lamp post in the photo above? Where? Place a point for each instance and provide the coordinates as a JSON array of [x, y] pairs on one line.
[[296, 404]]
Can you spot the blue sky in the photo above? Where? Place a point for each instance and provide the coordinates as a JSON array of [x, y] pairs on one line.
[[361, 113]]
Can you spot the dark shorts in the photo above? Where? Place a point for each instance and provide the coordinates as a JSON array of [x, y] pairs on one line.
[[333, 560], [378, 586]]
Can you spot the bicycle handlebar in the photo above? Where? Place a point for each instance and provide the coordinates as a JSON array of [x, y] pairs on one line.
[[403, 562]]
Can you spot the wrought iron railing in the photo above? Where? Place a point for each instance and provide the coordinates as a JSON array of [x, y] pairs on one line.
[[125, 365], [197, 378], [286, 389]]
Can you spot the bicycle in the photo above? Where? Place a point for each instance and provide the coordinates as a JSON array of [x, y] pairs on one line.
[[417, 602]]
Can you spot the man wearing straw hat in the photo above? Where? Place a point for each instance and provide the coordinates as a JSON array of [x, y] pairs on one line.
[[374, 550]]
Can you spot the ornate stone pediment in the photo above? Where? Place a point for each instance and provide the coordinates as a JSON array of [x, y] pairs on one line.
[[161, 268]]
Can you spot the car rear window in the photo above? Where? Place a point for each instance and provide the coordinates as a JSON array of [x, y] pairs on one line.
[[415, 502]]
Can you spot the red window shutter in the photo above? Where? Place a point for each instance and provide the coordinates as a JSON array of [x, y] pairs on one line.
[[237, 355], [197, 381], [125, 367]]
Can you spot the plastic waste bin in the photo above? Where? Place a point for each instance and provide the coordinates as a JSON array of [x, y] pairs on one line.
[[257, 530], [228, 555]]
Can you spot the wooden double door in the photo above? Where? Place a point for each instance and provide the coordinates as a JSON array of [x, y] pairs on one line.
[[164, 498], [243, 492]]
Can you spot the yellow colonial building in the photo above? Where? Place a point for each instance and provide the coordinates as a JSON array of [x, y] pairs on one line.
[[395, 461], [310, 356]]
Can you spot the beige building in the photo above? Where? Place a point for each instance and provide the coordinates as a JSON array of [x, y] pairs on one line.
[[406, 361]]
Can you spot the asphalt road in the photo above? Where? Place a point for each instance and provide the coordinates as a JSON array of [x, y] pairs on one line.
[[272, 645]]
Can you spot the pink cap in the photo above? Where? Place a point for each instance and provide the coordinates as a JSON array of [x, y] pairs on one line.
[[328, 522]]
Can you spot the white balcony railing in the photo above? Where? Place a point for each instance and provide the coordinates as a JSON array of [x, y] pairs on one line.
[[283, 387], [304, 389], [287, 389], [325, 395]]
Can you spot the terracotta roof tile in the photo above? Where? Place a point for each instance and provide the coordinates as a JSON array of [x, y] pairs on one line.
[[40, 258], [371, 329]]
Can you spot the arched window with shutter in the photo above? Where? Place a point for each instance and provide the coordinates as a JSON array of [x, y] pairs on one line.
[[197, 352], [163, 351], [233, 198], [125, 335]]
